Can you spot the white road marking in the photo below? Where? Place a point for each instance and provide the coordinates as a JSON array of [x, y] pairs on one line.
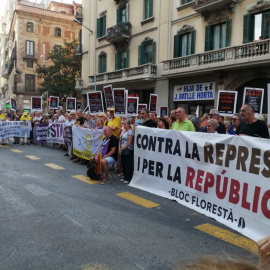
[[37, 191]]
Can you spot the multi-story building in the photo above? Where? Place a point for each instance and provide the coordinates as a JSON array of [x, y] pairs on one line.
[[177, 46], [34, 30]]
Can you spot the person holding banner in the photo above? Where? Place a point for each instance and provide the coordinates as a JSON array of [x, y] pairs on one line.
[[236, 124], [214, 114], [252, 126], [26, 117], [126, 151], [114, 123], [162, 123], [145, 121], [89, 121], [182, 123], [212, 125], [16, 117]]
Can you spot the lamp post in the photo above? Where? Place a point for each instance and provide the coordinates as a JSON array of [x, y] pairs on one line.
[[95, 80]]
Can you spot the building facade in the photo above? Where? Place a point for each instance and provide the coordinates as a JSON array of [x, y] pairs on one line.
[[183, 50], [32, 33]]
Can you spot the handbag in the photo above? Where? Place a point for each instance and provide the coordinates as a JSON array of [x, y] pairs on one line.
[[125, 152]]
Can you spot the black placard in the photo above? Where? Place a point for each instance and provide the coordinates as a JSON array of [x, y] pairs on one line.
[[95, 102], [153, 103], [254, 97], [36, 103], [163, 111], [71, 103], [54, 102], [108, 93], [13, 104], [132, 105], [119, 101], [227, 102]]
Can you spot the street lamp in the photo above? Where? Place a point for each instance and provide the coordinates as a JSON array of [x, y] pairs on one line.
[[95, 79]]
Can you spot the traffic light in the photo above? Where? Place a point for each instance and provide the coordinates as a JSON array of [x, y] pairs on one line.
[[8, 105], [47, 102]]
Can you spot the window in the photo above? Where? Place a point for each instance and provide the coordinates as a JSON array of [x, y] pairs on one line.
[[29, 83], [122, 60], [57, 32], [29, 48], [148, 9], [256, 25], [218, 36], [101, 27], [122, 14], [102, 62], [29, 27], [29, 64], [183, 2], [184, 44], [147, 53]]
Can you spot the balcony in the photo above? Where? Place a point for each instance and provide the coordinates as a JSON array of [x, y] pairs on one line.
[[79, 13], [208, 6], [29, 56], [79, 84], [119, 33], [249, 54], [12, 58], [144, 72]]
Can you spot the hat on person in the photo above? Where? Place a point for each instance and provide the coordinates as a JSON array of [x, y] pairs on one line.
[[25, 113], [102, 114], [111, 109]]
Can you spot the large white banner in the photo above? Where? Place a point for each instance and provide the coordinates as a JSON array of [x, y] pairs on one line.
[[222, 176], [86, 142], [9, 129]]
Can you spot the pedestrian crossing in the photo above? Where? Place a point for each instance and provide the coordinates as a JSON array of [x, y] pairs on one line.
[[26, 209]]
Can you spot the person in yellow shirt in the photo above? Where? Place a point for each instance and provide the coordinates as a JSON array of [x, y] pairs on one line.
[[115, 124], [25, 117]]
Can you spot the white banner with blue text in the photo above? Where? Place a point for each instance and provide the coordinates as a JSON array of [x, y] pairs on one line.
[[222, 176], [9, 129]]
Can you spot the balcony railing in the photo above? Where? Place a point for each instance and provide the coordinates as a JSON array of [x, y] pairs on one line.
[[201, 6], [147, 72], [29, 56], [246, 54], [119, 32]]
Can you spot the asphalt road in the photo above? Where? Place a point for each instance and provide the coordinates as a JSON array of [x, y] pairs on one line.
[[51, 220]]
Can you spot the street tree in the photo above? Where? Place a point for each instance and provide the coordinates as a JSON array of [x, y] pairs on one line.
[[60, 72]]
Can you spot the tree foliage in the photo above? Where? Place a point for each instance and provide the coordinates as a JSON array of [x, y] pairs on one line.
[[59, 78]]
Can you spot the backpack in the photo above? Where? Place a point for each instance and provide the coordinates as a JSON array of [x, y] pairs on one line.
[[92, 171]]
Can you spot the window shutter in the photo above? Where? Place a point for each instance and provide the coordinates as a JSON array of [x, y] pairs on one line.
[[98, 27], [127, 12], [265, 25], [127, 59], [150, 8], [153, 52], [104, 63], [228, 33], [177, 46], [208, 38], [119, 15], [103, 26], [248, 28], [141, 55], [117, 60], [193, 40]]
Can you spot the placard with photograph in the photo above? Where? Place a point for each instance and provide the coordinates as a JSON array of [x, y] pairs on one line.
[[254, 97], [227, 102], [54, 103], [95, 102], [70, 103], [13, 105], [153, 103], [36, 104], [163, 110], [119, 95], [132, 105], [108, 94]]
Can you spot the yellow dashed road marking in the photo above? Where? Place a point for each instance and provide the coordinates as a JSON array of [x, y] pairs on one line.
[[229, 237], [85, 179], [54, 166], [95, 266], [4, 146], [32, 157], [16, 150], [138, 200]]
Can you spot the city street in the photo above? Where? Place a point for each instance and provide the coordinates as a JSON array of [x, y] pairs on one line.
[[53, 217]]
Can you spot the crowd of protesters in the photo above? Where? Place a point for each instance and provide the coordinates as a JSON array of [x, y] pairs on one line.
[[119, 132]]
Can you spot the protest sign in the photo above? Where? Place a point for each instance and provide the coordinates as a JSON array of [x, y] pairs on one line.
[[70, 103], [36, 104], [119, 101], [196, 92], [163, 111], [142, 106], [86, 142], [224, 177], [108, 94], [132, 105], [54, 103], [95, 102], [254, 97], [13, 103], [227, 102], [153, 103], [9, 129], [68, 137], [56, 133], [41, 131]]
